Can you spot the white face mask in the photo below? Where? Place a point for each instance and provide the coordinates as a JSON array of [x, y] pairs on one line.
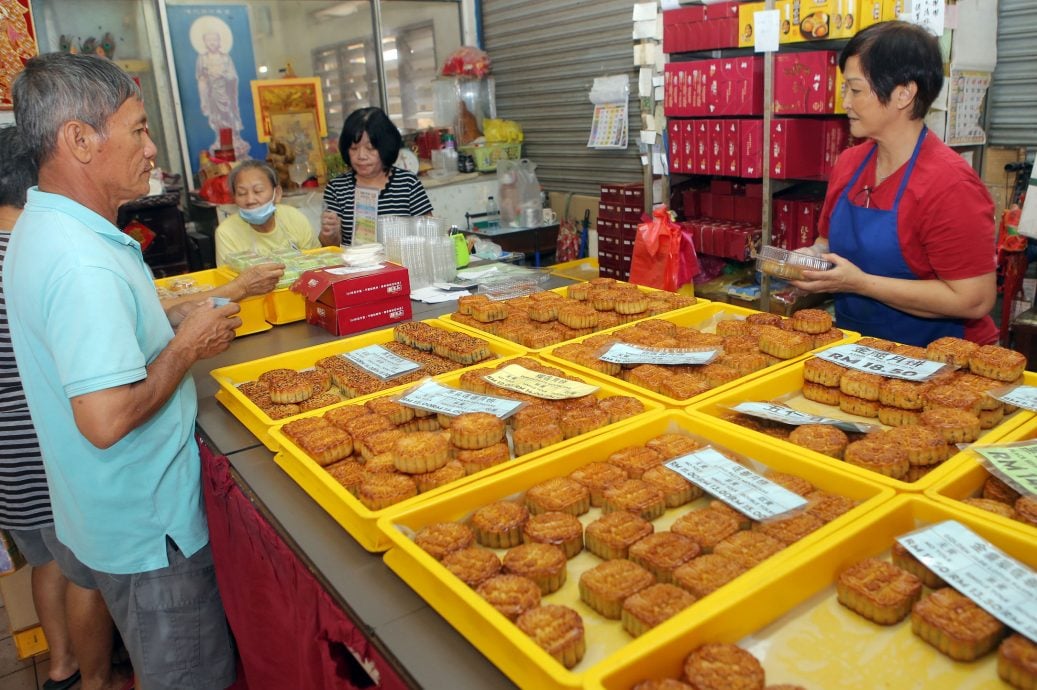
[[258, 215]]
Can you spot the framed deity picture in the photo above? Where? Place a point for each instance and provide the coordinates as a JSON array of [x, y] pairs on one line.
[[17, 44], [300, 132], [299, 95]]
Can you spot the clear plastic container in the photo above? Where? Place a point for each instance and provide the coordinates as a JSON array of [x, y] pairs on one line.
[[492, 214], [783, 263]]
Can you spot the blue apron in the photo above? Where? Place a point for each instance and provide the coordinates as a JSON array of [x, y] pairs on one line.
[[868, 237]]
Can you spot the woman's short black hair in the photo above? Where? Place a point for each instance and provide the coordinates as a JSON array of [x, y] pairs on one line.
[[895, 54], [381, 132], [17, 167]]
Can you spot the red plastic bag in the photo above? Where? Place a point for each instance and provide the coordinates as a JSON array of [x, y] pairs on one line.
[[657, 252]]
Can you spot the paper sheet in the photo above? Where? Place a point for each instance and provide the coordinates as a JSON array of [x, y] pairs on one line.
[[766, 23], [965, 110], [643, 11], [976, 48]]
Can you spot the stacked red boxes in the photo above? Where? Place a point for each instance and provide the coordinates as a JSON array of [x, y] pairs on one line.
[[836, 134], [701, 27], [619, 212], [794, 221], [804, 83], [730, 86], [675, 132], [750, 156], [725, 239], [346, 302], [796, 148]]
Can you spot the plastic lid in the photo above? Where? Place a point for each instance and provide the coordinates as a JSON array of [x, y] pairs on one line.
[[783, 263]]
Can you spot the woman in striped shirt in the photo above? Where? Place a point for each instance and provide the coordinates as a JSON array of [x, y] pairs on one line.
[[373, 186]]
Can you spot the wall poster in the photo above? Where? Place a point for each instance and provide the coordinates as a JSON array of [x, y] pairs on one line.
[[17, 44], [214, 62]]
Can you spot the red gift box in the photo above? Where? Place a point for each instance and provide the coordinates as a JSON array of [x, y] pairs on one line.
[[804, 83], [688, 142], [721, 187], [701, 159], [836, 139], [690, 200], [360, 317], [804, 233], [722, 10], [675, 129], [732, 147], [716, 147], [345, 287], [796, 148], [724, 206], [783, 217], [748, 209], [740, 86], [750, 157]]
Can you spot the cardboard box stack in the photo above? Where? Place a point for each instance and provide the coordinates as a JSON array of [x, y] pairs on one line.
[[701, 27], [344, 300], [620, 209]]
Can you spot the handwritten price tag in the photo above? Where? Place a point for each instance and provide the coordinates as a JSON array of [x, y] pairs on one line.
[[1001, 585], [872, 361], [377, 361], [739, 487], [521, 380], [624, 353], [452, 401], [786, 415]]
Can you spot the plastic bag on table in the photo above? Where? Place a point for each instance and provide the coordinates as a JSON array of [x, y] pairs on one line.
[[657, 252], [519, 189], [485, 249]]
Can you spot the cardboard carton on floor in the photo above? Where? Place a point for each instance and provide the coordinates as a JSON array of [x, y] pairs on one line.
[[16, 591]]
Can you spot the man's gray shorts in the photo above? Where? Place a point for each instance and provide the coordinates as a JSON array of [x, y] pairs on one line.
[[171, 621]]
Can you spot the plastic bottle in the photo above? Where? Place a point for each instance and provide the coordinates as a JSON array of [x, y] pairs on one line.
[[492, 214], [450, 154]]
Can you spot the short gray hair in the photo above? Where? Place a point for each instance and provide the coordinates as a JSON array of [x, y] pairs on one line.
[[252, 164], [56, 88]]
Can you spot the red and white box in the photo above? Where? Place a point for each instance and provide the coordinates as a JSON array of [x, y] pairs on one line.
[[675, 130], [731, 159], [804, 83], [342, 300], [701, 159], [806, 212], [739, 86], [688, 141], [716, 147], [836, 139]]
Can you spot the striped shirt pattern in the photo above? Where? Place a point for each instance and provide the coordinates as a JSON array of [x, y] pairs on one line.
[[24, 498], [402, 196]]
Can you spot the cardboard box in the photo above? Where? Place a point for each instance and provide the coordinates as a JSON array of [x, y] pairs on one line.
[[805, 20], [345, 287], [747, 23], [750, 157], [840, 85], [804, 83], [16, 592], [870, 13], [847, 18], [796, 148], [894, 9], [360, 317]]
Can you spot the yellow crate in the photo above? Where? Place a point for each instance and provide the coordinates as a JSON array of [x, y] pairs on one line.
[[967, 482], [252, 313], [259, 423], [790, 620], [358, 519], [703, 317], [580, 269], [502, 643], [284, 306], [561, 291], [785, 385]]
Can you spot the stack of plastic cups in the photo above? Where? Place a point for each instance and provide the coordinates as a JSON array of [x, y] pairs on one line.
[[413, 255], [390, 230], [443, 259], [430, 227]]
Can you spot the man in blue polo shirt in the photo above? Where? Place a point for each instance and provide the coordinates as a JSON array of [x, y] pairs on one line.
[[106, 376]]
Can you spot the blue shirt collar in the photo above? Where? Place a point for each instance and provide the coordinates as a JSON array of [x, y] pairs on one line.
[[93, 220]]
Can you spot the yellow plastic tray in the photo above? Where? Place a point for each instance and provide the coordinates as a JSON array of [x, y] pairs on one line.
[[259, 423], [284, 306], [252, 311], [703, 317], [790, 619], [358, 519], [580, 269], [561, 291], [967, 482], [502, 643], [786, 383]]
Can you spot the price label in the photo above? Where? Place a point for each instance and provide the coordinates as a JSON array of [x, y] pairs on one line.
[[1017, 464], [1020, 396], [1001, 585], [738, 486], [521, 380], [453, 401], [377, 361], [872, 361], [624, 353], [786, 415]]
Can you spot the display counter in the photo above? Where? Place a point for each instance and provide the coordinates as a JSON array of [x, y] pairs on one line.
[[411, 639]]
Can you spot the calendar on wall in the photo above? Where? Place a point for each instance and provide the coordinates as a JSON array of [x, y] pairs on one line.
[[968, 90], [609, 127]]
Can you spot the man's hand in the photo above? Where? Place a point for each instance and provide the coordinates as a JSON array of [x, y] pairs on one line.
[[208, 330], [330, 229], [179, 310], [256, 280]]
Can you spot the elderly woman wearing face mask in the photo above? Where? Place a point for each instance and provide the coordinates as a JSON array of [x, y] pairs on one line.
[[262, 225]]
